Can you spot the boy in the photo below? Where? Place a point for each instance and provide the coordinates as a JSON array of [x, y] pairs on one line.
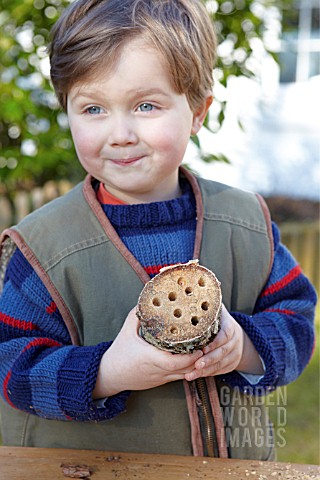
[[135, 77]]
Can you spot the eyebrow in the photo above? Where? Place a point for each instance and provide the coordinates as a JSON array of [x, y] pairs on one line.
[[148, 91], [83, 94], [133, 92]]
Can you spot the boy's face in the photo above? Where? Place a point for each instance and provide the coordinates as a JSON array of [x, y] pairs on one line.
[[131, 128]]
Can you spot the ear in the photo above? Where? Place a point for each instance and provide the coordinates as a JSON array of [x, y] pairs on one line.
[[200, 114]]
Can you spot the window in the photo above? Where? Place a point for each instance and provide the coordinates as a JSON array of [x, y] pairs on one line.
[[300, 45]]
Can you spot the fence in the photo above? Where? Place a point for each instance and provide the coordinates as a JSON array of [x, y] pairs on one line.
[[302, 238], [303, 241], [24, 202]]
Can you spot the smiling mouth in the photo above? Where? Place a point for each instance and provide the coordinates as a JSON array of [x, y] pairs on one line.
[[127, 161]]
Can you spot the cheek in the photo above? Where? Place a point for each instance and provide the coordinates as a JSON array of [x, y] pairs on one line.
[[172, 137], [85, 142]]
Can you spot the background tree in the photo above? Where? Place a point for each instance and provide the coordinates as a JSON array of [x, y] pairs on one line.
[[35, 141]]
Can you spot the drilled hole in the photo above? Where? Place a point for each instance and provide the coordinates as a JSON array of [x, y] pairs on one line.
[[174, 330], [188, 291], [181, 281], [156, 302], [201, 282], [177, 313], [172, 296], [205, 306], [194, 321]]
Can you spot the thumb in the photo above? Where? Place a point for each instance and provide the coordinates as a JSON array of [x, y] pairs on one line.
[[132, 319]]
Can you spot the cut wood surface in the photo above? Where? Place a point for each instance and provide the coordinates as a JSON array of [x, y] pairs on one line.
[[21, 463]]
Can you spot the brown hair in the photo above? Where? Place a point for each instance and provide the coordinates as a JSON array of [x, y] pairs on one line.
[[89, 34]]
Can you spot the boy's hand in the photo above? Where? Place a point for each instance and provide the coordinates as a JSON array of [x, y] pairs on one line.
[[133, 364], [230, 350]]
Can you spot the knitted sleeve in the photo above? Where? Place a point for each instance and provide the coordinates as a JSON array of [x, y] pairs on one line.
[[281, 327], [41, 372]]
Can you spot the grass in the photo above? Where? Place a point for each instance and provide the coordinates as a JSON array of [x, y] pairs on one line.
[[302, 427]]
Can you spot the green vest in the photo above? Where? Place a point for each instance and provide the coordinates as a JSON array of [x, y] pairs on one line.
[[95, 281]]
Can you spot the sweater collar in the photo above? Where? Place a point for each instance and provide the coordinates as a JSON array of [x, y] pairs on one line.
[[169, 212]]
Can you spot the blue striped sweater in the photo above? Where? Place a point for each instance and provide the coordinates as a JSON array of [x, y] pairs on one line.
[[42, 373]]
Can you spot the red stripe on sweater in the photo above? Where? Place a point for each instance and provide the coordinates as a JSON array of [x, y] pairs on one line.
[[5, 389], [154, 269], [281, 310], [13, 322], [39, 342], [51, 308], [294, 273]]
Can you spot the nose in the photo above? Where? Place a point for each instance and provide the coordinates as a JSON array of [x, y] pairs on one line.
[[122, 131]]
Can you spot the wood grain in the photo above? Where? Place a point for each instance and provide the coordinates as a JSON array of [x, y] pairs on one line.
[[19, 463]]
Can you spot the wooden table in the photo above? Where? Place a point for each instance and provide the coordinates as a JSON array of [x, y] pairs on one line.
[[47, 464]]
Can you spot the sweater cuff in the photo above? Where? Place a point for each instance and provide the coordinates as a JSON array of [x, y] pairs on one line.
[[76, 381], [266, 339]]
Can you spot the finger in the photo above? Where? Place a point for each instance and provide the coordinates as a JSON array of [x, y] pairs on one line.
[[131, 322], [224, 336], [184, 371], [219, 368], [214, 361], [215, 355], [180, 362], [134, 318]]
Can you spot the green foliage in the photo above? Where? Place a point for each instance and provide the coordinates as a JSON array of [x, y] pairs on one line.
[[34, 137], [35, 140]]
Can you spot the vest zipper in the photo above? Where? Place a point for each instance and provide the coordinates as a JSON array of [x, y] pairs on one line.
[[208, 420]]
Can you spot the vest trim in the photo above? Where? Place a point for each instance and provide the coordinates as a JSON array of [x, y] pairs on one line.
[[199, 209], [41, 272], [267, 216], [95, 206]]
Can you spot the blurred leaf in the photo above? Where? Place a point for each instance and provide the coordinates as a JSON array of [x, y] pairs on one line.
[[210, 157], [195, 140]]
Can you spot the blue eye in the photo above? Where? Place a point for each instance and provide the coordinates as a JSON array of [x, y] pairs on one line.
[[146, 107], [94, 110]]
